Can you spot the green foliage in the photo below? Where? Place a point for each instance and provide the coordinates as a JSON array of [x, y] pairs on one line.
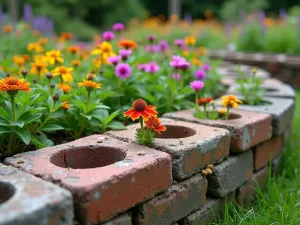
[[145, 137]]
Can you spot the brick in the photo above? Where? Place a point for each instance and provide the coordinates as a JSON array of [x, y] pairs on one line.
[[191, 146], [105, 176], [247, 192], [123, 219], [247, 129], [176, 203], [281, 110], [209, 212], [271, 90], [25, 199], [266, 151], [230, 174]]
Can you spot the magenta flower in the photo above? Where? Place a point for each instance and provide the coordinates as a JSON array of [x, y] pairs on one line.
[[177, 58], [114, 59], [179, 63], [124, 53], [108, 35], [206, 67], [184, 65], [197, 85], [118, 27], [176, 76], [123, 70], [200, 74], [163, 46], [142, 67], [152, 67], [151, 38], [179, 42], [151, 48]]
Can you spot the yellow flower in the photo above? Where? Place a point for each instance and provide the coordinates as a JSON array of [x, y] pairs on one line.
[[54, 57], [64, 72], [91, 74], [254, 70], [103, 48], [43, 41], [196, 62], [222, 110], [26, 26], [75, 63], [39, 68], [230, 101], [89, 84], [19, 60], [35, 47], [40, 58], [190, 40], [186, 53], [202, 51], [65, 87], [97, 63]]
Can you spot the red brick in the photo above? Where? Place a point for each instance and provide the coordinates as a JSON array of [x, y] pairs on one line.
[[266, 151], [176, 203], [123, 219], [191, 146], [247, 129], [246, 193], [101, 191]]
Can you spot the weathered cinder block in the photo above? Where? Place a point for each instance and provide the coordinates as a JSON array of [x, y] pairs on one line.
[[28, 200], [176, 203], [247, 192], [123, 219], [276, 164], [105, 176], [247, 129], [209, 212], [191, 146], [231, 71], [230, 174]]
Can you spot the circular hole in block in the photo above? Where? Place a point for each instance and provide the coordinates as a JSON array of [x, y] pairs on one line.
[[216, 116], [232, 116], [85, 157], [176, 132], [270, 89], [6, 191]]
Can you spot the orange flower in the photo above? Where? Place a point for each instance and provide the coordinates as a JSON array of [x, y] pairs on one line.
[[73, 49], [26, 26], [38, 67], [202, 51], [19, 60], [66, 36], [204, 101], [127, 44], [230, 101], [190, 40], [14, 84], [7, 29], [36, 33], [35, 47], [154, 124], [196, 61], [89, 84], [66, 105], [75, 63], [26, 57], [65, 87], [140, 108], [43, 41]]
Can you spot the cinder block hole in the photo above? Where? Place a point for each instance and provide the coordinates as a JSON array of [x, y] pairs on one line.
[[176, 132], [232, 116], [270, 89], [86, 157], [6, 191]]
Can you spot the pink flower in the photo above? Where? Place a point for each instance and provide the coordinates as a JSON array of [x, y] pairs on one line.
[[108, 35], [163, 46], [179, 63], [178, 58], [152, 48], [152, 67], [176, 76], [197, 85], [118, 27], [151, 38], [142, 66], [179, 42], [206, 67], [200, 74], [114, 59], [124, 53], [123, 70]]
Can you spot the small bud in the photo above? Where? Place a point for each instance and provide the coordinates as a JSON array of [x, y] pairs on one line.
[[55, 97], [151, 38], [204, 172], [209, 171], [34, 80], [52, 85], [24, 73], [49, 76], [8, 74], [210, 167], [90, 76]]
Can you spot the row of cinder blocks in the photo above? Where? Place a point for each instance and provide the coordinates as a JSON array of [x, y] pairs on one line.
[[109, 179]]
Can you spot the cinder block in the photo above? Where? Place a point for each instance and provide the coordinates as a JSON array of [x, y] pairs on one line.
[[191, 146], [123, 219], [176, 203], [28, 200], [105, 176], [230, 174], [247, 129]]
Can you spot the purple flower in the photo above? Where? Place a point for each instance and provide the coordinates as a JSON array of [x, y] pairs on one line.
[[108, 35], [28, 13], [152, 67], [179, 42], [114, 59], [124, 53], [177, 58], [180, 63], [152, 48], [123, 70], [176, 76], [163, 46], [206, 67], [200, 74], [142, 66], [118, 27], [282, 14], [197, 85], [151, 38]]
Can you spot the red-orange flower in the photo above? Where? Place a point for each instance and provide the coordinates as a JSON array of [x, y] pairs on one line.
[[154, 124], [127, 44], [141, 109], [14, 84], [205, 101], [66, 105]]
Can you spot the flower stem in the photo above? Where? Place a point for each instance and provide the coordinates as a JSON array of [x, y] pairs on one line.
[[13, 110], [227, 113], [88, 100], [142, 123], [205, 111], [196, 97]]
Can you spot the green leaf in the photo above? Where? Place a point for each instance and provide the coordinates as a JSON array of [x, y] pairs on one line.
[[24, 135], [4, 130], [50, 103], [86, 116], [45, 141], [51, 127], [80, 104], [4, 122], [3, 113], [2, 74], [18, 123], [28, 118], [116, 125], [34, 97], [8, 107], [112, 116]]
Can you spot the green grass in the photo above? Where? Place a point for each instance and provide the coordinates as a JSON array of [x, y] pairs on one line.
[[279, 203]]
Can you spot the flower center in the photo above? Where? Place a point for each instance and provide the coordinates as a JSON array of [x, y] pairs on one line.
[[62, 70], [139, 105]]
